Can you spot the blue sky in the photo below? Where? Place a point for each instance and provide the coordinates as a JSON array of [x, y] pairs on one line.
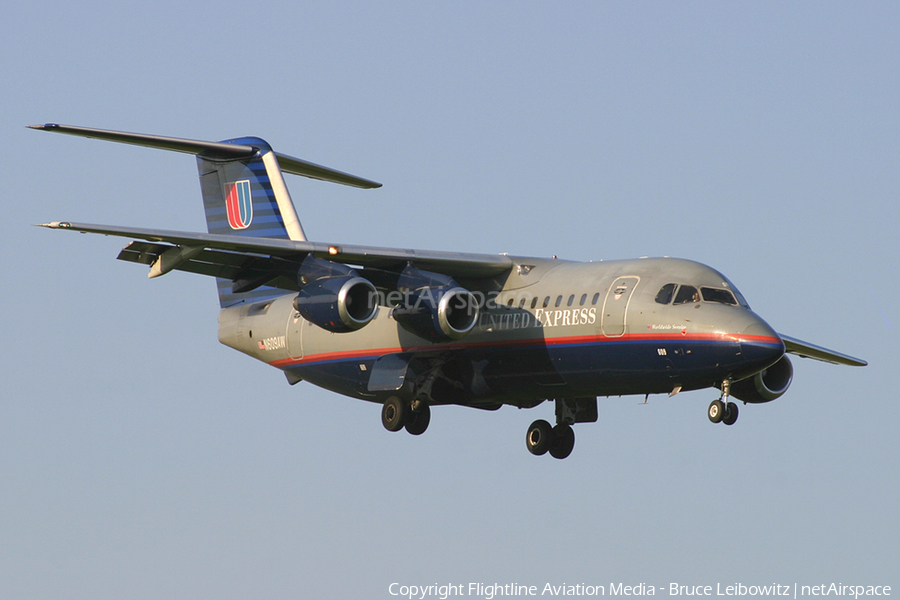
[[139, 458]]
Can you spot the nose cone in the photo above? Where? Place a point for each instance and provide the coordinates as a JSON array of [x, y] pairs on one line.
[[761, 347]]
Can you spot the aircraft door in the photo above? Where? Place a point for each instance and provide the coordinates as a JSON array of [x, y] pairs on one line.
[[615, 307], [294, 335]]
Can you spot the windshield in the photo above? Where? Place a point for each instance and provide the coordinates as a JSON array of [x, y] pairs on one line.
[[737, 294], [686, 294], [720, 296], [673, 293]]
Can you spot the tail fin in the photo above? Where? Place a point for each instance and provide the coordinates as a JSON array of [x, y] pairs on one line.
[[247, 195], [243, 189]]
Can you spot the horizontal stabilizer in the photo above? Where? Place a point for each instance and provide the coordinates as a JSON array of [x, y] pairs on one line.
[[296, 166], [212, 150], [807, 350]]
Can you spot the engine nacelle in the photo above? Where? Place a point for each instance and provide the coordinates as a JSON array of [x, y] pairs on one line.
[[338, 304], [438, 314], [766, 385]]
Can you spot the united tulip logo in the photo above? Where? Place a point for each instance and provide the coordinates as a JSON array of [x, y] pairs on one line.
[[239, 204]]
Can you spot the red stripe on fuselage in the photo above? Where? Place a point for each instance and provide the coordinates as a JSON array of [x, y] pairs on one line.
[[546, 342]]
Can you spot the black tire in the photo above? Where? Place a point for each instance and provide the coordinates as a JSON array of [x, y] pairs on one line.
[[563, 441], [538, 437], [393, 414], [731, 413], [716, 411], [417, 421]]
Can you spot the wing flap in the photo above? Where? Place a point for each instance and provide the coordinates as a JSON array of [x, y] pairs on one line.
[[245, 271], [142, 252], [807, 350]]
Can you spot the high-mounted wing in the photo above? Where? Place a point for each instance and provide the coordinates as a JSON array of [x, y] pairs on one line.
[[235, 257], [807, 350]]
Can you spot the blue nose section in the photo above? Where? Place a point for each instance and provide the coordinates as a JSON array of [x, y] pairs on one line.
[[761, 347]]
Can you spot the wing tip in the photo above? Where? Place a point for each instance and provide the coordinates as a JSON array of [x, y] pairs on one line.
[[806, 350], [55, 225]]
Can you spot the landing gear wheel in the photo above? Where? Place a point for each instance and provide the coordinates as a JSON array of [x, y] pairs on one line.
[[731, 413], [563, 441], [393, 414], [716, 411], [417, 421], [538, 438]]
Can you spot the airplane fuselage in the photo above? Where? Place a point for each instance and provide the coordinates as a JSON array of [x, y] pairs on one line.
[[549, 329]]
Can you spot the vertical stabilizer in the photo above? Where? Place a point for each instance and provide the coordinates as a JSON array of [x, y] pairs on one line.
[[247, 196]]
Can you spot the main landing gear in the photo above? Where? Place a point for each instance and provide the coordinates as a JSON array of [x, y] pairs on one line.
[[542, 438], [397, 414], [721, 410], [559, 441]]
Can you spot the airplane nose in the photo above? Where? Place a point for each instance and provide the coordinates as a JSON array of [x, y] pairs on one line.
[[761, 347]]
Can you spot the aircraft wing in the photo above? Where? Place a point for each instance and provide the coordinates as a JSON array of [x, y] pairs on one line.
[[260, 260], [807, 350]]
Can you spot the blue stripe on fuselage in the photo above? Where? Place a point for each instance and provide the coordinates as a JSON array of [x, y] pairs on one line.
[[601, 366]]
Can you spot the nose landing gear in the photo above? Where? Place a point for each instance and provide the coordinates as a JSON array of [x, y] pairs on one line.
[[721, 410]]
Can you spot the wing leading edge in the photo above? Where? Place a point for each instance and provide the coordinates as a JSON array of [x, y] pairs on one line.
[[807, 350]]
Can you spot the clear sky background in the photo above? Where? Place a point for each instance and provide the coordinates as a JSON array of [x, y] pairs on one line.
[[139, 458]]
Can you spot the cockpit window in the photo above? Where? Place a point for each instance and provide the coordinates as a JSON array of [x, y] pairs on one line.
[[720, 296], [664, 296], [737, 294], [687, 294]]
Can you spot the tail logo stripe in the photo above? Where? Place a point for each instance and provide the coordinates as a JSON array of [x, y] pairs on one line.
[[239, 204]]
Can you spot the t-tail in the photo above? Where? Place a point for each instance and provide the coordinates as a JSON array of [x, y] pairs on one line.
[[243, 189], [247, 195]]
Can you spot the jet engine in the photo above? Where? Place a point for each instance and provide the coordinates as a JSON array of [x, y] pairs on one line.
[[334, 297], [766, 385], [434, 306]]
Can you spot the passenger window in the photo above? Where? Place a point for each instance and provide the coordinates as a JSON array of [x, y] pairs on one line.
[[522, 303], [720, 296], [687, 294], [558, 301], [546, 302], [596, 297], [583, 300], [534, 302], [571, 300], [510, 302], [664, 296]]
